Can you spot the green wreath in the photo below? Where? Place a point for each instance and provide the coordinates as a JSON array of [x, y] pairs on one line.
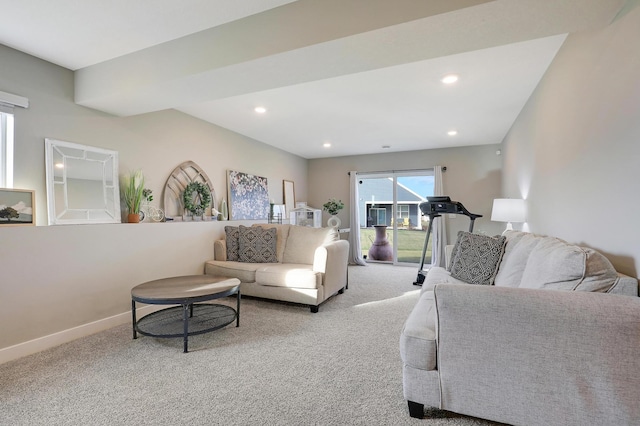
[[203, 194]]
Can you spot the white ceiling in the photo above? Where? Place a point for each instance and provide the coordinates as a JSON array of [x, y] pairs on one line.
[[359, 74]]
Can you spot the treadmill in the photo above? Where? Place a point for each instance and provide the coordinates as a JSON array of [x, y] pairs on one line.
[[434, 207]]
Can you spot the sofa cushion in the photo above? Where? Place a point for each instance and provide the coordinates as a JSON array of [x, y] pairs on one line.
[[476, 258], [257, 244], [245, 272], [303, 241], [282, 233], [558, 265], [599, 275], [438, 275], [418, 338], [232, 236], [517, 250], [288, 275]]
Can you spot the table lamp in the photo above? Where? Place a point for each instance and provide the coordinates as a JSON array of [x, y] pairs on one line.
[[508, 210]]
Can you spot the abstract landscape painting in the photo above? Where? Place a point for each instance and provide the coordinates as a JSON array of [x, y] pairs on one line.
[[248, 196]]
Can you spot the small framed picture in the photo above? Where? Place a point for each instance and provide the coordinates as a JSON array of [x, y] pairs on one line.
[[17, 207]]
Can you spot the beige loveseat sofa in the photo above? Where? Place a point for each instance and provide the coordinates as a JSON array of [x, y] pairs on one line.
[[520, 353], [309, 264]]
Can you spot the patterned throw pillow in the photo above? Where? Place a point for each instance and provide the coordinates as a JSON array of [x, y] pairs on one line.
[[257, 244], [476, 258], [233, 245]]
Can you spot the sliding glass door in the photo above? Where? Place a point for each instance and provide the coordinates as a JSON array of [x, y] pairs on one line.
[[392, 228]]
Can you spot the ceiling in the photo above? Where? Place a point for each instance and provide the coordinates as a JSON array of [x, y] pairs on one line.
[[361, 75]]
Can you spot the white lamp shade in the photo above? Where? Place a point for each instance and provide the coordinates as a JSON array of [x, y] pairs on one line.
[[508, 210]]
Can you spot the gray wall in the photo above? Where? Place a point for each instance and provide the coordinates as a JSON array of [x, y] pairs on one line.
[[57, 278], [473, 177], [574, 152]]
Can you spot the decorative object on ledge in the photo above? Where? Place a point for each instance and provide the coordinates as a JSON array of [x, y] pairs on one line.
[[196, 198], [332, 207], [147, 210], [224, 210], [133, 193], [17, 207], [82, 184], [177, 182], [289, 196], [304, 215], [248, 196], [278, 214]]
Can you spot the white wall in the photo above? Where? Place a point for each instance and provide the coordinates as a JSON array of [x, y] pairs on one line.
[[473, 177], [574, 152], [55, 278]]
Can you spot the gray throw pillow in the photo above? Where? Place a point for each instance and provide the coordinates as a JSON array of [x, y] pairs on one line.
[[476, 258], [233, 245], [257, 244]]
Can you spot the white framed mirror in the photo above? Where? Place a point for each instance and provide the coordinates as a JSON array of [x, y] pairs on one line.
[[82, 184]]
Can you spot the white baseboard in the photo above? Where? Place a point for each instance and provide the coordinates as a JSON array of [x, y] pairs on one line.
[[40, 344]]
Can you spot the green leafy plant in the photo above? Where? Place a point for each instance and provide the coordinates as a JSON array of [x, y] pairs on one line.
[[196, 197], [147, 195], [333, 206], [133, 191]]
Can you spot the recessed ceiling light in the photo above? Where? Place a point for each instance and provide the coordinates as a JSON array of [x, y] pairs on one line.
[[452, 132], [260, 110], [59, 166], [449, 79], [326, 145]]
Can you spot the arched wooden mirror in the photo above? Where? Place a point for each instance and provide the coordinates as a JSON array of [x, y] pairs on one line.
[[180, 177]]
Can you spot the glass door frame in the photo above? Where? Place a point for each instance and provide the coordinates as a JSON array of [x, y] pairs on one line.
[[394, 175]]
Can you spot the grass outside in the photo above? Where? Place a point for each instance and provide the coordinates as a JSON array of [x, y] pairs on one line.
[[410, 242]]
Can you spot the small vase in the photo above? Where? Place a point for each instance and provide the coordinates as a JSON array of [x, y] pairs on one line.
[[224, 211], [133, 218], [334, 222]]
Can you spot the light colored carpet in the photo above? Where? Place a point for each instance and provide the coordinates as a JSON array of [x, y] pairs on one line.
[[282, 366]]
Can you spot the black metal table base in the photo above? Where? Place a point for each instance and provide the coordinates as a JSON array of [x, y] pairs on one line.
[[185, 320]]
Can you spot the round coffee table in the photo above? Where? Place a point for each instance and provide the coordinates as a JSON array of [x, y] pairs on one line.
[[192, 317]]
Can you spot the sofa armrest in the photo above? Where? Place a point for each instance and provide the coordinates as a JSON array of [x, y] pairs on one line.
[[332, 260], [538, 356], [220, 250]]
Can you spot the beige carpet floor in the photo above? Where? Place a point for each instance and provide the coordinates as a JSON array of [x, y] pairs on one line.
[[282, 366]]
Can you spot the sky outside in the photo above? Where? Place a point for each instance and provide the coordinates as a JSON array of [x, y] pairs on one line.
[[421, 185]]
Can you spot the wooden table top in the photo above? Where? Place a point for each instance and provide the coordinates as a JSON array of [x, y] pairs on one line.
[[184, 287]]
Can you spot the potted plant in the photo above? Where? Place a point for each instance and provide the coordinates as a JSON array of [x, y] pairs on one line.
[[133, 194], [332, 207]]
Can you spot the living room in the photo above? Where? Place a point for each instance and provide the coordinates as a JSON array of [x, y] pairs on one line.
[[571, 153]]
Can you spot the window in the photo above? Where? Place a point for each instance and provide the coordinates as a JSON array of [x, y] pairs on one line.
[[8, 102], [6, 150], [403, 211]]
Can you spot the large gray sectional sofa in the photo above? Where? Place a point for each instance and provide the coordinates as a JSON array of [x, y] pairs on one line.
[[519, 352], [309, 265]]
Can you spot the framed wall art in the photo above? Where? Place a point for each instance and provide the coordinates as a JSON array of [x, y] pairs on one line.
[[17, 207], [248, 196]]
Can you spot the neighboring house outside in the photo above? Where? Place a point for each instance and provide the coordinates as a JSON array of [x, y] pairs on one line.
[[376, 204]]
